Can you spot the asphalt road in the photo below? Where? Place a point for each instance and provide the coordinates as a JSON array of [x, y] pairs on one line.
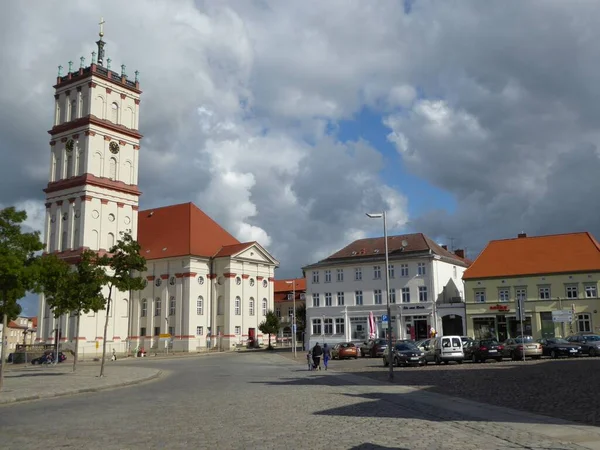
[[256, 401]]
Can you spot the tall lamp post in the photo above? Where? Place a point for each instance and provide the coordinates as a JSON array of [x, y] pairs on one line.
[[387, 292], [293, 283]]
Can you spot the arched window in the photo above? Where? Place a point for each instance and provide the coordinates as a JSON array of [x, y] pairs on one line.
[[97, 168], [125, 306], [127, 175], [73, 109], [64, 242], [157, 306], [144, 308], [264, 307], [114, 113], [57, 118], [251, 306], [95, 240], [112, 169], [110, 243], [53, 173], [200, 306], [70, 165], [99, 107], [238, 306]]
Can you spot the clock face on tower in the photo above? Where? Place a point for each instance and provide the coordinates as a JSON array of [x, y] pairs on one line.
[[114, 147]]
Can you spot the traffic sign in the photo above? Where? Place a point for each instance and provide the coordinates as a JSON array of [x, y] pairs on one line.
[[293, 328], [384, 320], [165, 335], [562, 316]]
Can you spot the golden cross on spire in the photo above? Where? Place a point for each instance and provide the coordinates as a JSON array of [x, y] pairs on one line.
[[101, 26]]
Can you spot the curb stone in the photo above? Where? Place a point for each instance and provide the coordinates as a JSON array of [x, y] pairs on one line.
[[27, 398]]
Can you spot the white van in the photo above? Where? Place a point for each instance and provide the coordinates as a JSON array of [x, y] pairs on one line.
[[448, 348]]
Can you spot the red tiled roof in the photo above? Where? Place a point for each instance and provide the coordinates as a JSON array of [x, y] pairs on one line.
[[284, 286], [559, 253], [180, 230], [34, 322], [416, 242], [230, 250]]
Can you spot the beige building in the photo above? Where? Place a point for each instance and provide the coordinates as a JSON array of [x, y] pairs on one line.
[[22, 330], [548, 274]]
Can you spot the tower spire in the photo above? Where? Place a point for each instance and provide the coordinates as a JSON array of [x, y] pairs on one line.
[[100, 42]]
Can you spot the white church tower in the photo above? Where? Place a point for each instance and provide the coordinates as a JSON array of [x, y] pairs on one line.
[[92, 193]]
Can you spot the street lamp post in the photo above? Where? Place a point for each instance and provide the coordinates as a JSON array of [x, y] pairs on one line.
[[387, 293], [293, 283]]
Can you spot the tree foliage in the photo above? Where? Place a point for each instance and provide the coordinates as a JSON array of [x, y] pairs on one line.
[[122, 266], [18, 266], [75, 290], [270, 325]]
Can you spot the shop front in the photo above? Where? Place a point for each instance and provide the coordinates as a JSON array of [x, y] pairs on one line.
[[416, 321]]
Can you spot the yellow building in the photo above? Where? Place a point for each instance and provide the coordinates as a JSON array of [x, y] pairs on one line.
[[549, 273]]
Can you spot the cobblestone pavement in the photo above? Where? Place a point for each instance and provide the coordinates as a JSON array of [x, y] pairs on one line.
[[263, 401], [38, 382], [565, 388]]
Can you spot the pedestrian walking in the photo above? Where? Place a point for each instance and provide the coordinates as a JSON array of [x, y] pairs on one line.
[[309, 360], [326, 355], [317, 351]]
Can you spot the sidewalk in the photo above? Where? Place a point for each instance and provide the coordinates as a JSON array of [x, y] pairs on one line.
[[38, 382]]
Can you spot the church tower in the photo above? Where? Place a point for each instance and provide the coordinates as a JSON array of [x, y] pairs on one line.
[[92, 193]]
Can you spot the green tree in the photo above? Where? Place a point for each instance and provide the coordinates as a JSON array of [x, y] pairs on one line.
[[270, 326], [120, 264], [18, 268], [71, 289]]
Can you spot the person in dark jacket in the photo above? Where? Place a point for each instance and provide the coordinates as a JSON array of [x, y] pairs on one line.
[[316, 353]]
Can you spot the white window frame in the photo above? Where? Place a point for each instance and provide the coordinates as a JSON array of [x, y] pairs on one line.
[[544, 292], [520, 294], [572, 291], [238, 330], [278, 311], [503, 295], [480, 296], [358, 298], [591, 291], [340, 274], [421, 269], [328, 299], [391, 271], [172, 306], [157, 307], [265, 306], [377, 272], [423, 294], [405, 295], [377, 297], [315, 277], [328, 326], [251, 306], [340, 299], [327, 276], [392, 295], [358, 274], [403, 270], [144, 311], [316, 300], [199, 330], [237, 306], [200, 306], [340, 326], [316, 326]]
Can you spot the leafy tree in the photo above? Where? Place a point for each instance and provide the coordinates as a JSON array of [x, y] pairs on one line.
[[17, 266], [119, 265], [301, 320], [73, 289], [270, 326]]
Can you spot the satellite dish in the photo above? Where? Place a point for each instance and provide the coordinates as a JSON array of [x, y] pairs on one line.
[[404, 242]]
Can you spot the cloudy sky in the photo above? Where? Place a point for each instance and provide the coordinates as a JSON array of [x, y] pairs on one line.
[[287, 121]]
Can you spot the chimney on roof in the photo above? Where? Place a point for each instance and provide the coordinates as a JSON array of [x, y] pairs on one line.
[[459, 252], [445, 247], [522, 234]]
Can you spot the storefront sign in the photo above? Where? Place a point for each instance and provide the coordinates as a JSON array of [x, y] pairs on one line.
[[406, 308], [500, 308]]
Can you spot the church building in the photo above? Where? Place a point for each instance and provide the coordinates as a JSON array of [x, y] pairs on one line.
[[203, 289]]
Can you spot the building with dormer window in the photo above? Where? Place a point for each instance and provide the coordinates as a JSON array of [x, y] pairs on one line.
[[425, 290]]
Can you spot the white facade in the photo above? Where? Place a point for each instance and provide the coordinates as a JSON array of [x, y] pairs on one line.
[[201, 308], [420, 286], [92, 196]]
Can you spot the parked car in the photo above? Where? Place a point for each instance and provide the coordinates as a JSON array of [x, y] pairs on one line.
[[48, 357], [426, 346], [344, 350], [446, 349], [590, 343], [515, 347], [482, 350], [405, 354], [555, 347], [373, 348]]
